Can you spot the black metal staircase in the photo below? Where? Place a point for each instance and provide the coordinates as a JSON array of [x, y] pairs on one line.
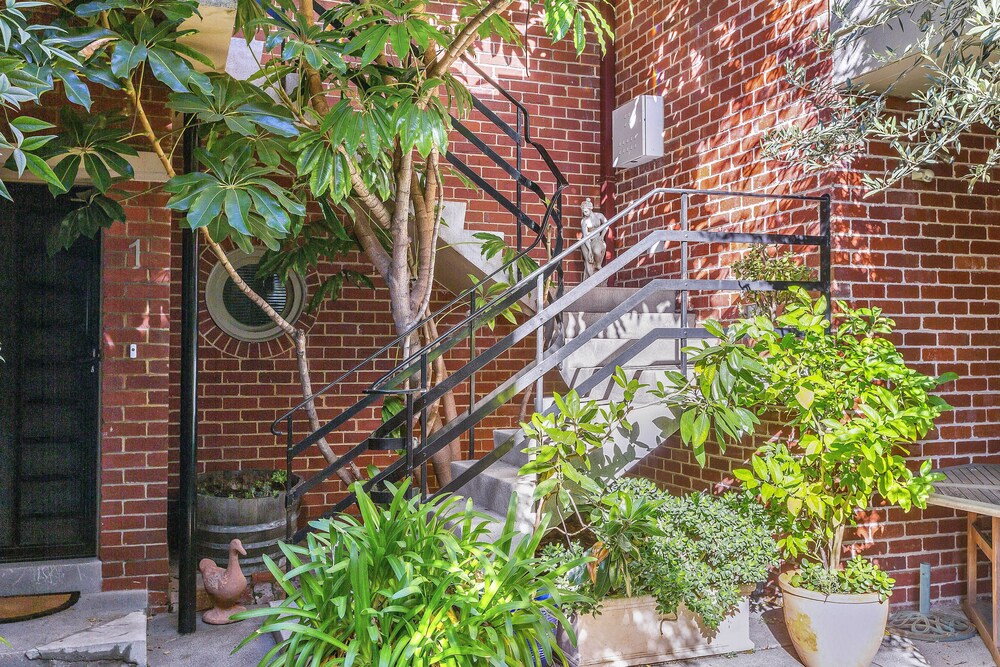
[[410, 377]]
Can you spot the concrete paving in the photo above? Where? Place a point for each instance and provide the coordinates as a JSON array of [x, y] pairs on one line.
[[774, 649], [119, 640], [208, 646], [90, 613], [212, 645]]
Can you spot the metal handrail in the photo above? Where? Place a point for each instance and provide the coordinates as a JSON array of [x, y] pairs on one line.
[[429, 445], [514, 293], [549, 267], [523, 378]]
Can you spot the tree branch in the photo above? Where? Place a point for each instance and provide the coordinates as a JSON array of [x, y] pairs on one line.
[[362, 228], [317, 94], [466, 36], [367, 197], [297, 335], [399, 270], [428, 223]]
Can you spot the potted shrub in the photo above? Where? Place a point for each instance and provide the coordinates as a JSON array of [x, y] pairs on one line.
[[847, 408], [671, 577], [247, 504], [399, 586]]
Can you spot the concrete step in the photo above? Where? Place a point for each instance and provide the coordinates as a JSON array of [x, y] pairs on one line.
[[516, 456], [604, 299], [106, 628], [627, 327], [608, 390], [599, 352], [121, 640], [492, 489], [459, 254], [51, 576], [494, 523]]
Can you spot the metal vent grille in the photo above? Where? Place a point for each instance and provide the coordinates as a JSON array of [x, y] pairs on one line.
[[245, 311]]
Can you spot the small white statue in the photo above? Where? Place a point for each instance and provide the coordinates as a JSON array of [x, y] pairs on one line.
[[594, 249]]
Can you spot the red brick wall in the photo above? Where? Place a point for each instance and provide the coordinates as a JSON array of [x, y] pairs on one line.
[[926, 253], [134, 396]]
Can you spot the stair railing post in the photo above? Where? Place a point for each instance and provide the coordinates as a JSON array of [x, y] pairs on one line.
[[685, 227], [539, 338], [423, 424], [824, 250], [408, 438], [289, 444], [558, 245], [472, 378], [519, 195]]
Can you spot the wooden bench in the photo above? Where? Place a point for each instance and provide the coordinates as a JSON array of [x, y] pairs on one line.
[[975, 489]]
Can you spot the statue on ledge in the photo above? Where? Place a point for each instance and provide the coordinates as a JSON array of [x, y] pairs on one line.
[[593, 249]]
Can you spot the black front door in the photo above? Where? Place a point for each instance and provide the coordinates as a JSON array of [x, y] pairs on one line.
[[49, 382]]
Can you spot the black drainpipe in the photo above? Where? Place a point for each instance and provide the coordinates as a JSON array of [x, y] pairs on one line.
[[188, 491]]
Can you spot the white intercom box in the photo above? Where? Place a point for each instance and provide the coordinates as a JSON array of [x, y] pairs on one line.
[[637, 131]]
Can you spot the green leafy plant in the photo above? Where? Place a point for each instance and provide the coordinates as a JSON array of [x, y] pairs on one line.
[[623, 523], [945, 78], [415, 585], [561, 444], [716, 547], [859, 575], [848, 406], [697, 550], [760, 264], [251, 486]]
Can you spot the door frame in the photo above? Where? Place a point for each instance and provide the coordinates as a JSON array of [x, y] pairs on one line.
[[89, 547]]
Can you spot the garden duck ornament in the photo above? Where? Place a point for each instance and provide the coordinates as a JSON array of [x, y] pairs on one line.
[[224, 586]]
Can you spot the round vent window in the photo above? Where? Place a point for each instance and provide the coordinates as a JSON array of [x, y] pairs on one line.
[[236, 314]]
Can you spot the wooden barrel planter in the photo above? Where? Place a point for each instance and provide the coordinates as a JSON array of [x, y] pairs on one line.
[[259, 522]]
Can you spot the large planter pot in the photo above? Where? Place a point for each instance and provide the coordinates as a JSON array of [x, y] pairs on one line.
[[629, 631], [833, 630], [259, 523]]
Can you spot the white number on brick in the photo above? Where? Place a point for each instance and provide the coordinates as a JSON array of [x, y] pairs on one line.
[[135, 244]]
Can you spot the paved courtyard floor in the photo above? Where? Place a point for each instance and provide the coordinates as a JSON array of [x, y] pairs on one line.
[[210, 647]]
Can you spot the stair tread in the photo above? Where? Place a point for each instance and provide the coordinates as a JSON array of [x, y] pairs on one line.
[[604, 299], [499, 469], [631, 326]]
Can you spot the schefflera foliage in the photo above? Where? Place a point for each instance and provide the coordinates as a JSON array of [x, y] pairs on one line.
[[349, 116], [848, 405]]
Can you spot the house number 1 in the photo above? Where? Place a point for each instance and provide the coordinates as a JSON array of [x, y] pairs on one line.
[[135, 244]]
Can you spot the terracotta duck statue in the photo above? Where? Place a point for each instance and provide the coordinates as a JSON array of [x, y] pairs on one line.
[[224, 586]]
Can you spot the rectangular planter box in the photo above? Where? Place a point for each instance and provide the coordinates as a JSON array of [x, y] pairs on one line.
[[629, 632]]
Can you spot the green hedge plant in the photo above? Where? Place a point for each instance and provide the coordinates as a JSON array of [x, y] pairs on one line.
[[415, 585], [699, 550], [849, 409]]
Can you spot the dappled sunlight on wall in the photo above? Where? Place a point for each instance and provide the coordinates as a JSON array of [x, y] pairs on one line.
[[928, 253]]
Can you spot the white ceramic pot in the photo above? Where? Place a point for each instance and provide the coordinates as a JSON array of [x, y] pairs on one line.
[[630, 632], [833, 630]]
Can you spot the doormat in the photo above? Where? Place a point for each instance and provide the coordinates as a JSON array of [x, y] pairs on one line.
[[27, 607]]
